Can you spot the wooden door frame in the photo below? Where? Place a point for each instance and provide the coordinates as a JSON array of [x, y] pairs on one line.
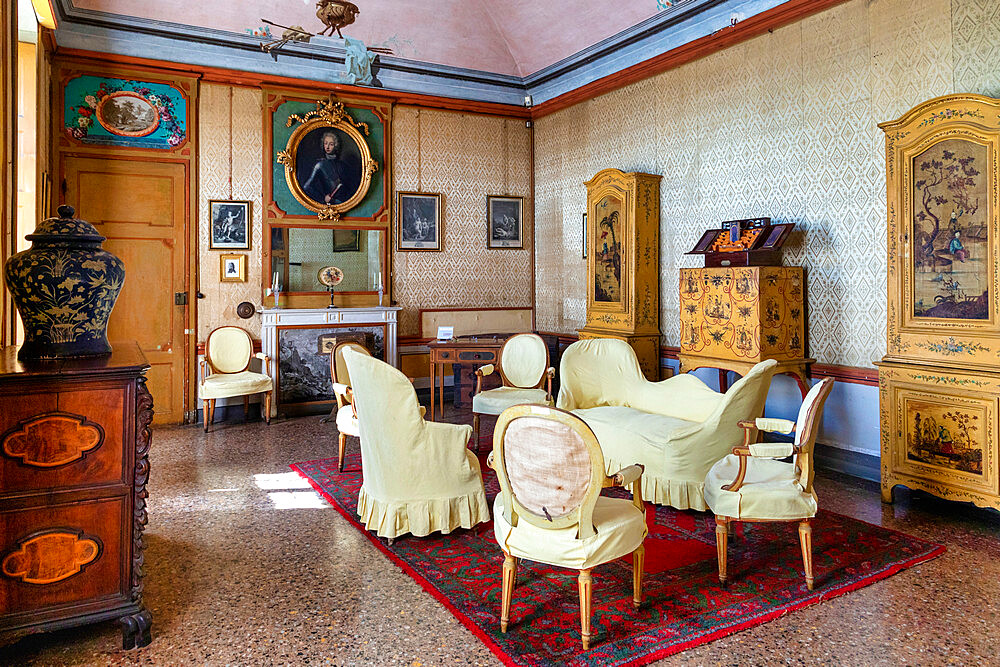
[[186, 153]]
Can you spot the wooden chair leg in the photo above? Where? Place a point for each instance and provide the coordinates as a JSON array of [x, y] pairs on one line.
[[637, 558], [585, 583], [721, 542], [340, 452], [267, 408], [246, 406], [805, 541], [509, 575], [475, 429], [210, 414], [204, 414]]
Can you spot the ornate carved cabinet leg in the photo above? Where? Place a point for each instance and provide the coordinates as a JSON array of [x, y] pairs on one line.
[[805, 540], [721, 542], [136, 630], [585, 583], [887, 493]]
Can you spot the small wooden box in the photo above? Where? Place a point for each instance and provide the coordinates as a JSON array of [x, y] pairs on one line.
[[743, 314]]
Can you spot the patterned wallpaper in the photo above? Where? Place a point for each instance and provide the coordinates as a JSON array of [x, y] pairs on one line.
[[465, 157], [244, 136], [784, 126]]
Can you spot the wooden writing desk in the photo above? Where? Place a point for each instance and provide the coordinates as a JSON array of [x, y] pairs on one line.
[[476, 350]]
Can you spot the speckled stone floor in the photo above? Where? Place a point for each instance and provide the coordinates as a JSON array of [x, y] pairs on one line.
[[246, 565]]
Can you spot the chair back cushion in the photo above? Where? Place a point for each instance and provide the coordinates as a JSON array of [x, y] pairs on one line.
[[807, 426], [338, 367], [550, 468], [228, 350], [523, 360], [596, 372]]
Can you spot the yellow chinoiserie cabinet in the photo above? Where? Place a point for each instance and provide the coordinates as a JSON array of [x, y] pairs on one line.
[[623, 263], [734, 317], [939, 382]]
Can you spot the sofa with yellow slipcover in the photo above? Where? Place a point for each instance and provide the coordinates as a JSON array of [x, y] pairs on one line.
[[419, 476], [677, 428]]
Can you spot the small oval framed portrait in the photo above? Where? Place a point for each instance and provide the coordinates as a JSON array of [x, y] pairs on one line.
[[328, 165]]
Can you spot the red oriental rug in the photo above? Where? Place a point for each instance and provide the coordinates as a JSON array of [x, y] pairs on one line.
[[684, 605]]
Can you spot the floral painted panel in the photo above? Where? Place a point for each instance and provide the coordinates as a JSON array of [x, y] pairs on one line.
[[950, 231], [608, 250], [121, 112], [948, 436]]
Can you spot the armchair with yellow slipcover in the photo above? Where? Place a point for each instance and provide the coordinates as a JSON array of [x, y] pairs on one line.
[[225, 372], [419, 476], [752, 485], [523, 365], [677, 428], [550, 508]]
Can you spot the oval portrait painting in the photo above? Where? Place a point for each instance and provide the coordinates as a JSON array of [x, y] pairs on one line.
[[128, 114], [328, 166]]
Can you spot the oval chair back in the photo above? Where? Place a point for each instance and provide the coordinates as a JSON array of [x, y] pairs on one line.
[[523, 360], [806, 428], [550, 468], [338, 368], [228, 350]]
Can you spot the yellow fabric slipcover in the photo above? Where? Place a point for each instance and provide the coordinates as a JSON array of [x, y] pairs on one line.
[[347, 423], [229, 349], [771, 490], [620, 527], [224, 385], [676, 428], [771, 450], [419, 477], [495, 401], [523, 360]]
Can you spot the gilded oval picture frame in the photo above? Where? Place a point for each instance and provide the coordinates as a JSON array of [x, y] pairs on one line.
[[328, 164]]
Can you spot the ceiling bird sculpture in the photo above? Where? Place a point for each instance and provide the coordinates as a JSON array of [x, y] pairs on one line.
[[336, 14]]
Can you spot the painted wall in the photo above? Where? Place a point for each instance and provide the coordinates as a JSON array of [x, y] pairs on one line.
[[784, 126], [465, 157]]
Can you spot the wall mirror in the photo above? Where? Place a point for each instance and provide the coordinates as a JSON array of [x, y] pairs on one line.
[[297, 254]]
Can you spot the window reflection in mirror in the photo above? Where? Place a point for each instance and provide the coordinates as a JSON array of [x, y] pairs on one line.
[[298, 254]]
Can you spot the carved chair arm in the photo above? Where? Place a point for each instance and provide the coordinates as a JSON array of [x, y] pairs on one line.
[[489, 461], [267, 362], [482, 372], [203, 365], [630, 475], [772, 425], [766, 450]]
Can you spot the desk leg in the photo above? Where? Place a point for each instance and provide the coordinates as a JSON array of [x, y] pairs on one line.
[[433, 380], [441, 391]]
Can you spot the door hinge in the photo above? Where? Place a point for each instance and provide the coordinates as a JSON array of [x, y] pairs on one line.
[[180, 298]]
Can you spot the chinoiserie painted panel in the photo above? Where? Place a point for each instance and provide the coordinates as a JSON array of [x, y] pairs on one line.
[[743, 314], [939, 386]]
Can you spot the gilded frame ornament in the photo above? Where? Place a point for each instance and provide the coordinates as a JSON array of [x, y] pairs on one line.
[[332, 115]]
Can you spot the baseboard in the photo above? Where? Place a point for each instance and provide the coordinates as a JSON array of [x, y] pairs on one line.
[[847, 462]]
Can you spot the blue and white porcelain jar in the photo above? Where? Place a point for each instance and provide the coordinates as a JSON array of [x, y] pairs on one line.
[[64, 287]]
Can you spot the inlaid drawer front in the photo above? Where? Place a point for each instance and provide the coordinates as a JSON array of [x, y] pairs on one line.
[[61, 440], [477, 355], [52, 556]]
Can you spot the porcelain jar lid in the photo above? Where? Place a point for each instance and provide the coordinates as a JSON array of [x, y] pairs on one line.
[[65, 228]]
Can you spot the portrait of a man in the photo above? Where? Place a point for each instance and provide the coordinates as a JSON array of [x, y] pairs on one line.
[[328, 166]]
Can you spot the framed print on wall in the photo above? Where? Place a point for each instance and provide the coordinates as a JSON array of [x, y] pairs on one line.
[[232, 268], [230, 225], [504, 224], [346, 240], [584, 254], [418, 216]]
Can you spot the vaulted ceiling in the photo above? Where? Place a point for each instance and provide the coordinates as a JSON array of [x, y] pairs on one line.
[[516, 37]]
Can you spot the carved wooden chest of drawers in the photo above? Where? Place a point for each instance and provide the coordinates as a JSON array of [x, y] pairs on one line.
[[74, 439]]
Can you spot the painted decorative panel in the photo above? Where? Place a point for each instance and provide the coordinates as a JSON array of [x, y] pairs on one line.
[[304, 359], [52, 439], [122, 112], [50, 556]]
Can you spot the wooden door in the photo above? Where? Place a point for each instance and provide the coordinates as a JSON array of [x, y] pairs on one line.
[[141, 207]]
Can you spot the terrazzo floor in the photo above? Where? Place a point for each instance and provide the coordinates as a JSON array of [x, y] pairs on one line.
[[247, 565]]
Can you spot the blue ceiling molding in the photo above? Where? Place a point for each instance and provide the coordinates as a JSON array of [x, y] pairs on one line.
[[161, 40]]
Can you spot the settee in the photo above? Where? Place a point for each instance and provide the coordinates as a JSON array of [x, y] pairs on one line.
[[677, 428]]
